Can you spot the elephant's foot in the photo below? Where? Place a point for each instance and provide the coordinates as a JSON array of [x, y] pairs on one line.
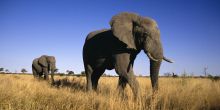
[[46, 77]]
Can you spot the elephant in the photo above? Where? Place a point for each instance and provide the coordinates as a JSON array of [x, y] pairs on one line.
[[43, 65], [117, 47]]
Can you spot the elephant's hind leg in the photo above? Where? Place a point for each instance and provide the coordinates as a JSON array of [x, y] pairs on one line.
[[88, 71], [97, 73], [122, 82]]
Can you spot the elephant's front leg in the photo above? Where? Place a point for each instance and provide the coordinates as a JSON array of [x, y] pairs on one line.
[[124, 69], [52, 78], [45, 71], [122, 82], [154, 72]]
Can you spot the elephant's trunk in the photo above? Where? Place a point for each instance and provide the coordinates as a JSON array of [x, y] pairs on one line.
[[154, 72], [52, 69]]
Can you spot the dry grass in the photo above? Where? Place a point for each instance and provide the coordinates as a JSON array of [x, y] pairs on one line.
[[26, 93]]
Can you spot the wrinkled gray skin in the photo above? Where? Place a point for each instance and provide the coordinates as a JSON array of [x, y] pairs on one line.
[[43, 65], [117, 48]]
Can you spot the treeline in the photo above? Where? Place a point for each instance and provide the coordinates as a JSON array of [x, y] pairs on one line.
[[185, 75], [23, 71], [6, 71]]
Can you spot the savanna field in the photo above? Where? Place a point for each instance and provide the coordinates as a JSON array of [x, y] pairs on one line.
[[23, 92]]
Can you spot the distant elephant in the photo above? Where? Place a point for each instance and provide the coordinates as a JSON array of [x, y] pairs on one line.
[[117, 48], [43, 65]]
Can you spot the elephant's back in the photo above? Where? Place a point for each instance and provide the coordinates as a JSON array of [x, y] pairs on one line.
[[35, 61], [102, 43], [98, 42], [94, 33]]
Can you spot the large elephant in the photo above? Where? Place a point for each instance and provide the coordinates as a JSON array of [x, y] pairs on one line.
[[117, 48], [43, 65]]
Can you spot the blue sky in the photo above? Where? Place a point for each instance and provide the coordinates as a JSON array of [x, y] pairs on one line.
[[190, 32]]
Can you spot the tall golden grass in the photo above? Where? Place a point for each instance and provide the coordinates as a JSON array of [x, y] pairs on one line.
[[23, 92]]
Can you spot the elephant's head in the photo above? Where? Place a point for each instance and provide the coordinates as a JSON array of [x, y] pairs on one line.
[[48, 62], [140, 33]]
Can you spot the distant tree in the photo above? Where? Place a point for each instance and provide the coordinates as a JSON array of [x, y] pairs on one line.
[[23, 70], [7, 71], [71, 73], [67, 71], [83, 73], [174, 75], [1, 69]]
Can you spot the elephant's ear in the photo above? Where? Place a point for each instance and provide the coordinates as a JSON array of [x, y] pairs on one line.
[[43, 61], [53, 59], [122, 28]]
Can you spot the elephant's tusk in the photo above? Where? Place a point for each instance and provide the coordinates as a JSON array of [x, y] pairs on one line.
[[149, 55], [168, 60]]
